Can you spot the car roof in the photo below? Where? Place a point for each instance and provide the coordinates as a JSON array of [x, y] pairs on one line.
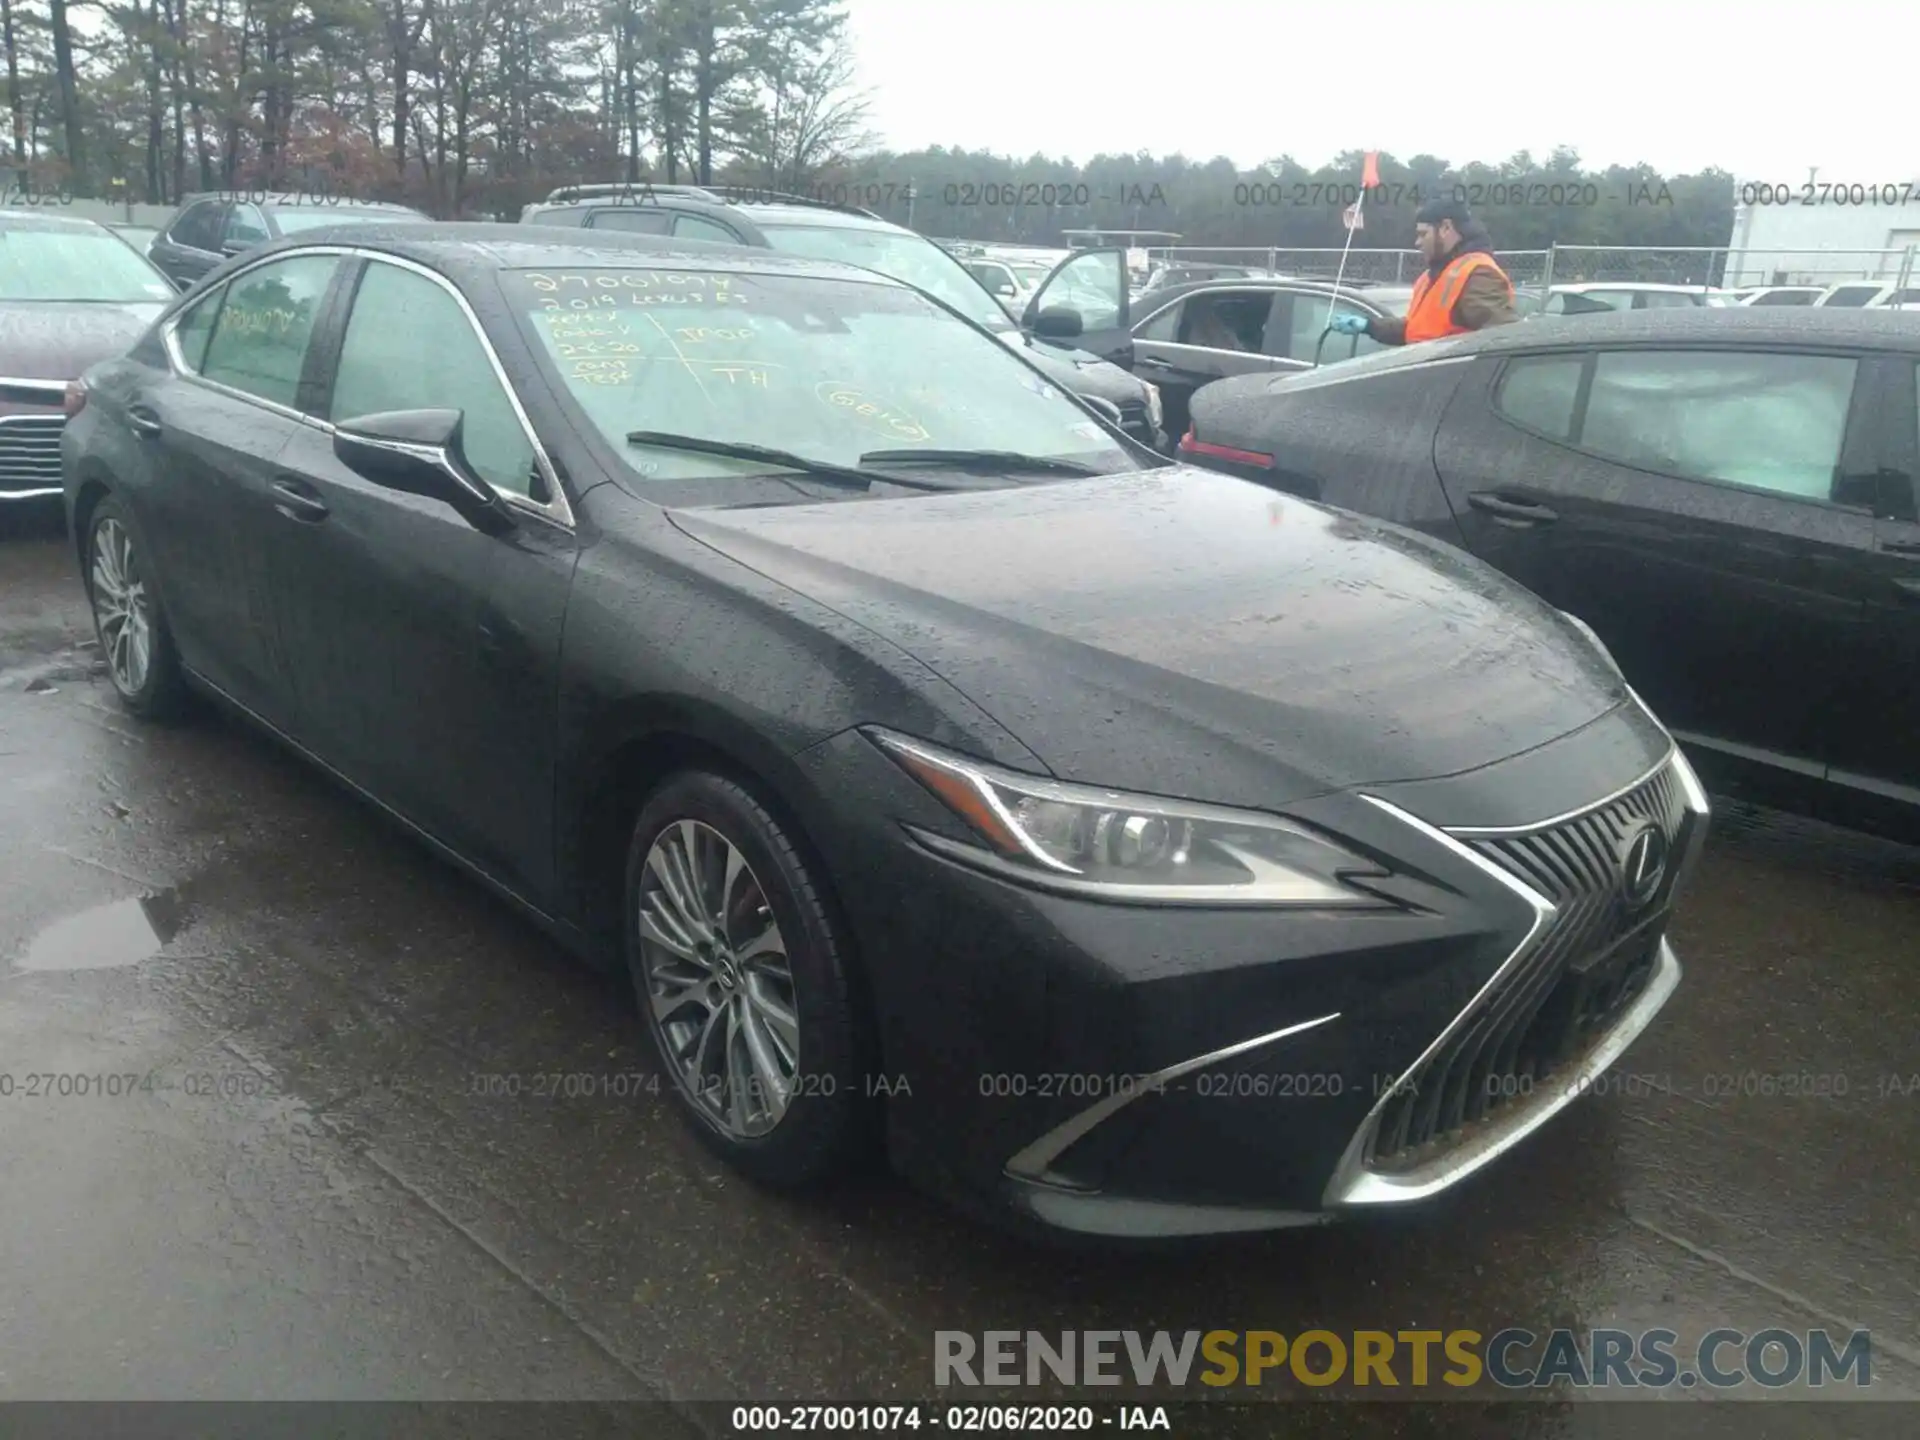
[[1159, 299], [458, 248], [41, 220], [1660, 285], [294, 200], [1737, 325]]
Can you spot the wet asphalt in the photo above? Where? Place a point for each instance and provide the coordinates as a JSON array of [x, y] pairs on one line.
[[318, 1189]]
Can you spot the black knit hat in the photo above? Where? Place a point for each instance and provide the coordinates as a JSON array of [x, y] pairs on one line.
[[1444, 207]]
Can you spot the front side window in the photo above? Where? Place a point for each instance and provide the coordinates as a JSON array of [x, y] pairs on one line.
[[1308, 330], [830, 369], [1165, 326], [198, 228], [247, 225], [264, 325], [194, 328], [1768, 420], [1854, 295], [410, 346]]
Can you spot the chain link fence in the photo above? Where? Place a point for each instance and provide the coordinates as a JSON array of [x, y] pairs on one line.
[[1710, 267], [1376, 267]]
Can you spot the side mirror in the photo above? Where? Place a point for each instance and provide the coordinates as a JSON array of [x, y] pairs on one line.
[[1057, 322], [418, 452]]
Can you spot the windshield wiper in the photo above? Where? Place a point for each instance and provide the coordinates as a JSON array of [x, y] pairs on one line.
[[848, 476], [996, 459]]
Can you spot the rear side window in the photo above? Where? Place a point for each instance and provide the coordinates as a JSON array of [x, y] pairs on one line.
[[1307, 337], [1165, 326], [260, 336], [1768, 420], [199, 227], [640, 222], [1539, 393]]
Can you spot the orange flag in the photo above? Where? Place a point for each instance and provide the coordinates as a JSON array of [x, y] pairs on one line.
[[1370, 172]]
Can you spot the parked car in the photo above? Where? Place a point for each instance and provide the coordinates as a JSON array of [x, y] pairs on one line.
[[1012, 287], [1863, 294], [1600, 297], [805, 654], [1728, 499], [1188, 336], [838, 232], [1771, 295], [1397, 299], [71, 293], [206, 229]]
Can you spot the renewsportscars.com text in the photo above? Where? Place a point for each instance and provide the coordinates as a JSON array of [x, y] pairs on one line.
[[1513, 1358]]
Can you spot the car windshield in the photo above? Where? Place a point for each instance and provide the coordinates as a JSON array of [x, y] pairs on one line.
[[900, 254], [62, 263], [293, 221], [832, 369]]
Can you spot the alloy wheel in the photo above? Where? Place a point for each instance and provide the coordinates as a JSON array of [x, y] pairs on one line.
[[121, 608], [719, 982]]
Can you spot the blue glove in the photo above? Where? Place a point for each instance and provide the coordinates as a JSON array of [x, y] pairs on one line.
[[1348, 323]]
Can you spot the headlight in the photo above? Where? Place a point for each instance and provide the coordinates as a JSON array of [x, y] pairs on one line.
[[1153, 403], [1108, 845]]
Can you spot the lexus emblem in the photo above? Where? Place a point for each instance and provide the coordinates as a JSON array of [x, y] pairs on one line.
[[1643, 865]]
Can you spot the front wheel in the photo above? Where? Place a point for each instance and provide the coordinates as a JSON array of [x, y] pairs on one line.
[[134, 639], [744, 983]]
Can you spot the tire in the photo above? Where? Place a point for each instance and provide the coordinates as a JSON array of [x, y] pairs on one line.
[[142, 663], [742, 991]]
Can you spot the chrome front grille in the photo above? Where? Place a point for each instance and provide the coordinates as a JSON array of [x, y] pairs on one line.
[[29, 453], [1592, 956]]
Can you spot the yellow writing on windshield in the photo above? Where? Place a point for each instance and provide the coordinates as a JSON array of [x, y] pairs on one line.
[[871, 411]]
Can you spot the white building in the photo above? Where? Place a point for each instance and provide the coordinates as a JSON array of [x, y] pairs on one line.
[[1820, 231]]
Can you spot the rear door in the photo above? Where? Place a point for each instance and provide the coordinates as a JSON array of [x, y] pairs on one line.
[[1707, 511], [215, 426], [1204, 336], [190, 247], [1092, 284]]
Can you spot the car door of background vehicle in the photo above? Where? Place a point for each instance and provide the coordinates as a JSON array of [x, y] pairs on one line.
[[1092, 284], [1202, 337], [424, 652], [216, 434], [190, 247], [1876, 730], [1297, 337], [1696, 507]]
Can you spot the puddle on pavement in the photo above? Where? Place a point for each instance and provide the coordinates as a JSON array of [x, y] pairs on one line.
[[121, 932]]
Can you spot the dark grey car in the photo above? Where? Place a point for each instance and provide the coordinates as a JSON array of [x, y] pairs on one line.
[[207, 228]]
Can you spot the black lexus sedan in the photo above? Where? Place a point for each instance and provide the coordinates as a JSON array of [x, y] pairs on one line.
[[1125, 849], [1729, 496]]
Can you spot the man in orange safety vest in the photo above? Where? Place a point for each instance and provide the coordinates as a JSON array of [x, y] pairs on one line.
[[1463, 287]]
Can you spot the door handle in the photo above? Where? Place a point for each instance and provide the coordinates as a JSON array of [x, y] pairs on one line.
[[1517, 511], [298, 500], [1154, 362], [143, 422]]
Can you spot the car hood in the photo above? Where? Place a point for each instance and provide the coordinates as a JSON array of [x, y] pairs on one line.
[[1185, 633], [57, 340], [1077, 370]]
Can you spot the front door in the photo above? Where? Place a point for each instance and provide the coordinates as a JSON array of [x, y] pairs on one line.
[[1091, 285], [424, 653], [1700, 509]]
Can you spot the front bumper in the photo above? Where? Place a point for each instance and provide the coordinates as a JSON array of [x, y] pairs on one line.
[[1133, 1071]]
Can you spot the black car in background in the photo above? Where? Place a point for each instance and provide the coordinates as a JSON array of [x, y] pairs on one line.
[[206, 229], [71, 293], [1729, 496], [909, 737], [1089, 354]]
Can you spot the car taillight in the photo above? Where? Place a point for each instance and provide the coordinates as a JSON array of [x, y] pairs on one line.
[[1191, 444], [75, 400]]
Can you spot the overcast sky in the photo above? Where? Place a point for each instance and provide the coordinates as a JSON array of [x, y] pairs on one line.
[[1764, 90]]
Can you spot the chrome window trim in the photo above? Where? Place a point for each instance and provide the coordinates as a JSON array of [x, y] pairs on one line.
[[1033, 1161], [558, 511]]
